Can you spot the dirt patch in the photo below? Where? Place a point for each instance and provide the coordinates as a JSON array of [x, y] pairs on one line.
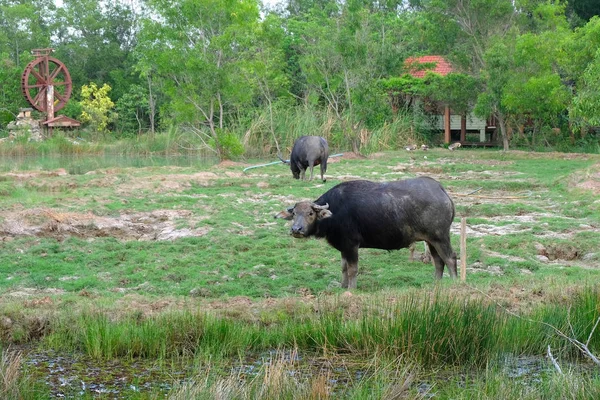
[[551, 155], [36, 174], [480, 230], [563, 251], [424, 169], [350, 156], [230, 164], [166, 183], [593, 186], [49, 223], [588, 180], [29, 292], [489, 162]]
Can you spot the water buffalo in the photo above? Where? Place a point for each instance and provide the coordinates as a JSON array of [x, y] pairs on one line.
[[388, 216], [307, 152]]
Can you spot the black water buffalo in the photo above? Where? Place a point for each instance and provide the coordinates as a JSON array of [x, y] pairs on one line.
[[307, 152], [388, 216]]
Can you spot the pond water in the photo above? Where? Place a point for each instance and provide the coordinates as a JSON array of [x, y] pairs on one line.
[[80, 164], [72, 375]]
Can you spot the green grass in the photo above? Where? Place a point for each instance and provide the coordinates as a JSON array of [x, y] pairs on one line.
[[422, 333], [89, 286], [433, 331]]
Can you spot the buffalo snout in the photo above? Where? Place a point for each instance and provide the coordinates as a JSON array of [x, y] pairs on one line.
[[297, 231]]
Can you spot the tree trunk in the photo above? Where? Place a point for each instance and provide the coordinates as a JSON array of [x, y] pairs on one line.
[[151, 104], [500, 117]]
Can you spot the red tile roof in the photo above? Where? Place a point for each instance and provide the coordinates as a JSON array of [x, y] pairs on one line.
[[442, 66]]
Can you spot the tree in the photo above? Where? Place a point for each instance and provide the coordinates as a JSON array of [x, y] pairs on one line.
[[198, 48], [340, 58], [583, 10], [585, 110], [534, 92], [498, 62], [265, 68], [24, 25], [132, 111], [96, 105], [470, 26], [477, 29], [95, 40], [11, 97]]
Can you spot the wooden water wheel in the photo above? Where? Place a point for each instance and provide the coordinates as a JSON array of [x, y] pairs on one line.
[[46, 83]]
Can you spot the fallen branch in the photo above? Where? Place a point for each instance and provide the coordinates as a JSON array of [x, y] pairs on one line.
[[551, 357], [583, 347], [282, 161]]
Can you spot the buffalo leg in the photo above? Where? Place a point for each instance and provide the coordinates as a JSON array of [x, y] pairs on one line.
[[438, 262], [442, 253], [311, 166], [323, 170], [344, 273], [349, 269], [302, 170]]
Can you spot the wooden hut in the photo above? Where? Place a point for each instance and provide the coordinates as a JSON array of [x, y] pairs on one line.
[[442, 116]]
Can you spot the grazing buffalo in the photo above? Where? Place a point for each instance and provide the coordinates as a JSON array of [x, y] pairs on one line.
[[386, 216], [307, 152]]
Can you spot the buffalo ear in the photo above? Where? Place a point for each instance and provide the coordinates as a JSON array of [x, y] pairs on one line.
[[285, 214], [322, 214]]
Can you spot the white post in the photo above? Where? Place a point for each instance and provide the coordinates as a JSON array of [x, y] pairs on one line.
[[463, 249], [50, 102]]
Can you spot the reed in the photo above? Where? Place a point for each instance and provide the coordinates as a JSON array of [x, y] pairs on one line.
[[58, 144], [431, 330], [10, 374]]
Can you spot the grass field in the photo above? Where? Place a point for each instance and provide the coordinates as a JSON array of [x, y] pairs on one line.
[[184, 269]]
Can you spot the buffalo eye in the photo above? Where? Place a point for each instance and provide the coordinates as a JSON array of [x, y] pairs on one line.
[[310, 214]]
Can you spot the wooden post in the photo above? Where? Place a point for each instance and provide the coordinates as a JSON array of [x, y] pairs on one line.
[[447, 125], [463, 128], [463, 249]]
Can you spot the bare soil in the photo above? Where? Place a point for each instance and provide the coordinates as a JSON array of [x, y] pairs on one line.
[[50, 223]]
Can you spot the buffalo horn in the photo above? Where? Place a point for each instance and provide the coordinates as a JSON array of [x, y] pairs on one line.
[[318, 207], [282, 160]]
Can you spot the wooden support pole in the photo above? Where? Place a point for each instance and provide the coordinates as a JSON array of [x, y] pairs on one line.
[[447, 137], [463, 249]]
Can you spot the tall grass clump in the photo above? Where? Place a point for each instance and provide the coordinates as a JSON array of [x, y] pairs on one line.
[[10, 374], [495, 383], [394, 135], [433, 330], [281, 126], [576, 320], [168, 335], [58, 144], [171, 141], [280, 377], [272, 381]]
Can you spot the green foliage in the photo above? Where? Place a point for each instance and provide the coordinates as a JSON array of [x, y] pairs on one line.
[[96, 106], [131, 111], [231, 146], [11, 98], [585, 109], [200, 71], [341, 60]]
